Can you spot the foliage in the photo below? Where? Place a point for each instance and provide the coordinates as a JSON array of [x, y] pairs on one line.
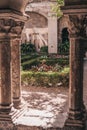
[[64, 48], [25, 58], [56, 8], [42, 62], [46, 79], [44, 49], [27, 48], [28, 64], [45, 70]]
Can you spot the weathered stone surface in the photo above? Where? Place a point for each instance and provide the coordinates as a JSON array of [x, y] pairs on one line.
[[5, 75], [16, 77], [11, 25], [9, 29], [77, 32]]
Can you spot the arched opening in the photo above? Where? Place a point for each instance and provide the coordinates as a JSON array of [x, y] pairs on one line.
[[64, 45], [65, 35], [36, 28]]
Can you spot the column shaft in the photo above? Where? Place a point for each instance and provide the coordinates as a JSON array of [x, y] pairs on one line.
[[5, 50], [16, 77], [76, 79]]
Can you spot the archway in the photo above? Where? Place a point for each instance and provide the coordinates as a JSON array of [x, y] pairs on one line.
[[64, 45], [65, 35], [37, 28]]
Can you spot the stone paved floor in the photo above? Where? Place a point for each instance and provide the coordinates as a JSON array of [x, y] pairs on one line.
[[45, 107]]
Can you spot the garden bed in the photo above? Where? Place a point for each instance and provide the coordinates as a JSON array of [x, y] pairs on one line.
[[45, 79]]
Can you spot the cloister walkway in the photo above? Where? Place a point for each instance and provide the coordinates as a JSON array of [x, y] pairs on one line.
[[46, 107]]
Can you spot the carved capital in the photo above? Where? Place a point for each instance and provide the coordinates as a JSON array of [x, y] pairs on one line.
[[11, 27], [77, 25]]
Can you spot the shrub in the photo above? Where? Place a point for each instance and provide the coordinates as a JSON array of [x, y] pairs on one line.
[[46, 79], [27, 48], [29, 57], [36, 60], [44, 49], [28, 64], [64, 48], [60, 61]]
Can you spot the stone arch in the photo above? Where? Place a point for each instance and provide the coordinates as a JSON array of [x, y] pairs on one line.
[[37, 28], [38, 12], [35, 17], [62, 23]]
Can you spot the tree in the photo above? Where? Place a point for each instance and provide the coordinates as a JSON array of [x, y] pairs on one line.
[[56, 7]]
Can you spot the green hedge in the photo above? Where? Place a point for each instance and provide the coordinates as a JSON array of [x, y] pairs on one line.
[[27, 48], [48, 61], [28, 64], [60, 61], [28, 57], [45, 79]]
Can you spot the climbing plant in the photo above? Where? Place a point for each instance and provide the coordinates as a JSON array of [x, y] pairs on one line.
[[56, 7]]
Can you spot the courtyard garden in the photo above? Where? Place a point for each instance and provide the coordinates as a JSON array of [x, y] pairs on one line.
[[43, 69]]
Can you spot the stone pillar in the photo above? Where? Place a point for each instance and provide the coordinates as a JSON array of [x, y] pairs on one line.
[[16, 77], [5, 52], [15, 62], [52, 34], [0, 73], [10, 32], [77, 37]]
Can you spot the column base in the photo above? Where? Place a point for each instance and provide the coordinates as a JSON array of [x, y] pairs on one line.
[[5, 108], [17, 103], [76, 119], [4, 113], [5, 117], [75, 123], [72, 128]]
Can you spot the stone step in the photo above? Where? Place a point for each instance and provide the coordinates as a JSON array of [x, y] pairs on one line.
[[5, 117], [16, 113]]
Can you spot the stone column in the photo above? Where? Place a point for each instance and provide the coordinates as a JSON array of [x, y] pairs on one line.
[[15, 62], [10, 32], [77, 37], [0, 73], [5, 89], [16, 77], [52, 34]]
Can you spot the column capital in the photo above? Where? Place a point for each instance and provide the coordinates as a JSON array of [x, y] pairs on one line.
[[77, 26], [10, 27]]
